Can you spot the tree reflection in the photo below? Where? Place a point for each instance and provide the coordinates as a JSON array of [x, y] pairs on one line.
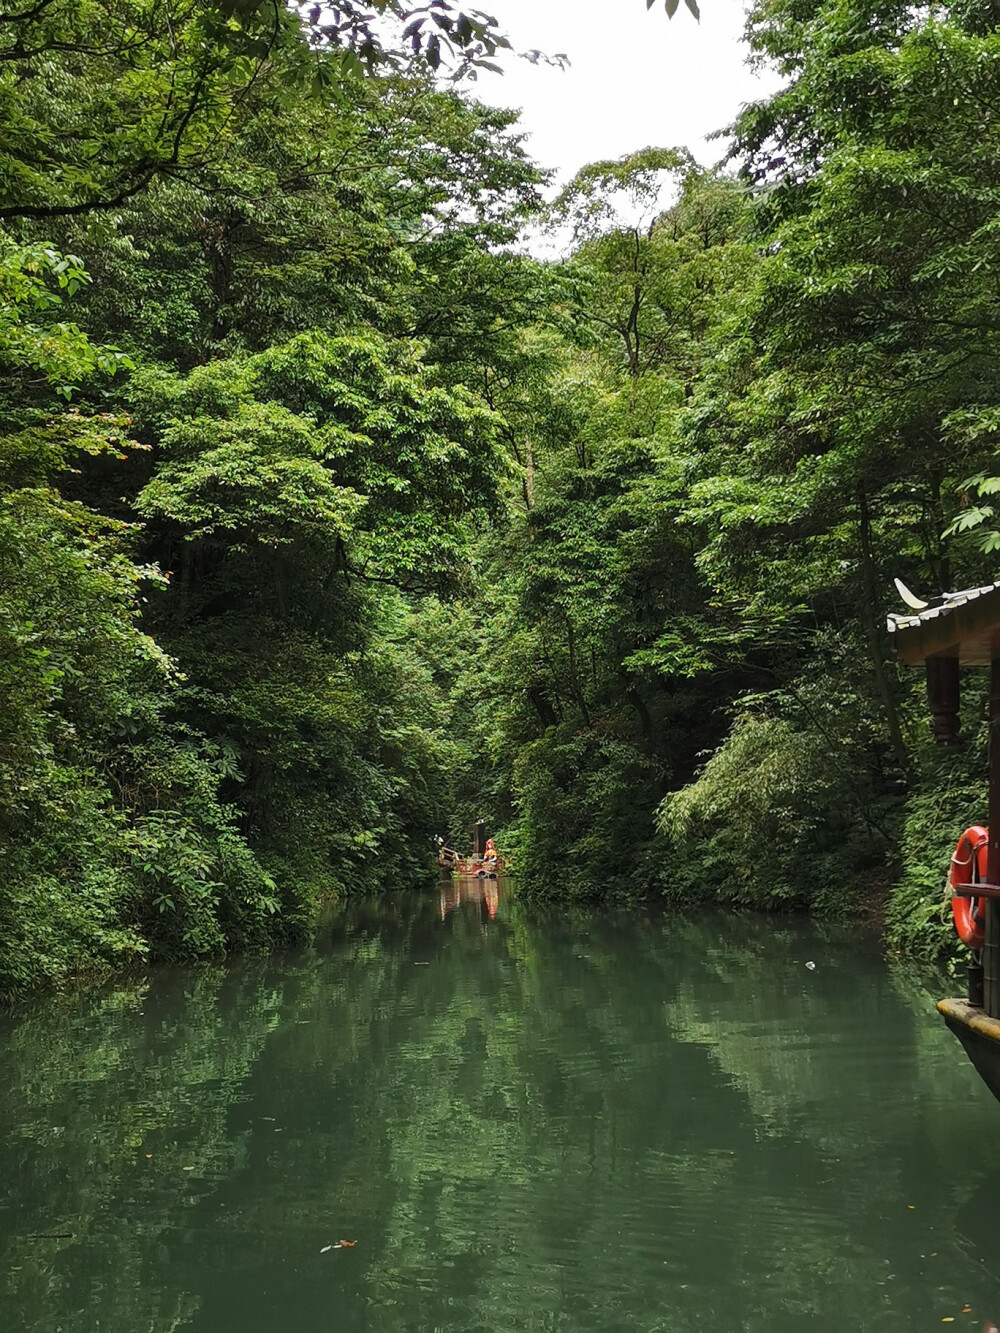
[[526, 1119]]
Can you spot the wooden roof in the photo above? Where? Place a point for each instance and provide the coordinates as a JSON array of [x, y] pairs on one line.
[[965, 625]]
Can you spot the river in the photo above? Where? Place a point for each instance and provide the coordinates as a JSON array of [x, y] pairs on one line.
[[455, 1113]]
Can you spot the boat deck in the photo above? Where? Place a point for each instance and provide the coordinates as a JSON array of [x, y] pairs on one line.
[[979, 1035]]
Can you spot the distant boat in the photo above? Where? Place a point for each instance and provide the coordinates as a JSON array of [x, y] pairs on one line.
[[484, 863]]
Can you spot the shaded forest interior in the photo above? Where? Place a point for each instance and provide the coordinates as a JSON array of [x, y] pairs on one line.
[[331, 519]]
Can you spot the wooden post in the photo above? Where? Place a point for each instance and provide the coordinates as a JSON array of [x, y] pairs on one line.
[[943, 698], [991, 948]]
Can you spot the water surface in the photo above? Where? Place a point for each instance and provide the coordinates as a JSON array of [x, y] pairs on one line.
[[585, 1120]]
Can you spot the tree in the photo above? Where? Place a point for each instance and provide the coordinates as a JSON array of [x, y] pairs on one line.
[[100, 99], [397, 211]]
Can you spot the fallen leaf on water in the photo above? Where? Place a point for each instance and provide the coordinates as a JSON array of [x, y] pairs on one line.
[[948, 1319], [967, 1309], [347, 1244], [912, 1207], [148, 1156]]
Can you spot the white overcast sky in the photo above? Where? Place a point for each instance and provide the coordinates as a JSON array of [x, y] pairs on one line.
[[637, 79]]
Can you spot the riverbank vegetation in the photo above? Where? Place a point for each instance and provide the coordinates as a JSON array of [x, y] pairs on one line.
[[330, 519]]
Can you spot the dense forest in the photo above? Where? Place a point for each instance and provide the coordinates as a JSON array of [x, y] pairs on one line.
[[331, 520]]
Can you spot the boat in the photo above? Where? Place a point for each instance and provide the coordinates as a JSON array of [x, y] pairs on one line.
[[484, 863], [945, 634]]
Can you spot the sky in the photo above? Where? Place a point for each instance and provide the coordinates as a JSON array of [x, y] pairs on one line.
[[635, 80]]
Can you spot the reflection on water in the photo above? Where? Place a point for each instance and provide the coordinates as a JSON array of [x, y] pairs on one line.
[[483, 893], [593, 1121]]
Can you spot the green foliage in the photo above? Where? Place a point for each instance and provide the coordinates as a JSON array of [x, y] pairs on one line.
[[976, 518], [763, 402], [772, 821], [276, 488], [89, 762], [594, 199], [33, 281], [291, 485], [99, 99], [578, 801], [386, 213], [363, 525], [951, 796]]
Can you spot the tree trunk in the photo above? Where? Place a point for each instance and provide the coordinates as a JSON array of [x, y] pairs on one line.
[[217, 249], [870, 623], [578, 694], [529, 476]]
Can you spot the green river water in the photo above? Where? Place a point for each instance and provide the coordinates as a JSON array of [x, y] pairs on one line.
[[523, 1119]]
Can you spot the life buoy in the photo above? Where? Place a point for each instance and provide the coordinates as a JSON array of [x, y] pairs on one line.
[[968, 866]]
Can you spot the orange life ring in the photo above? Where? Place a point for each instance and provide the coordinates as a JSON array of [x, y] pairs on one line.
[[968, 866]]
